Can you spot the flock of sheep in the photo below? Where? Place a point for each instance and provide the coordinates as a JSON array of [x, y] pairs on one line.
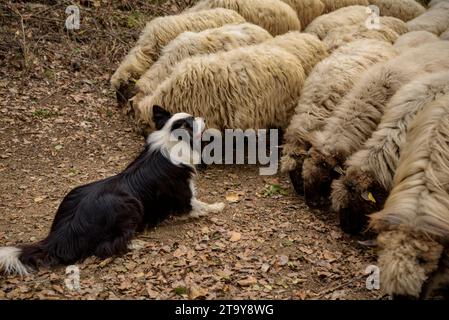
[[365, 109]]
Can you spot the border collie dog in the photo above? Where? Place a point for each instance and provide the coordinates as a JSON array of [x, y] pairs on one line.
[[102, 217]]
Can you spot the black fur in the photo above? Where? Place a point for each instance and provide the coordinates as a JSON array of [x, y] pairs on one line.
[[101, 218]]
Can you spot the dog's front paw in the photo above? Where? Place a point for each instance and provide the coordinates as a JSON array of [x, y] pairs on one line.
[[217, 207], [195, 214], [136, 245]]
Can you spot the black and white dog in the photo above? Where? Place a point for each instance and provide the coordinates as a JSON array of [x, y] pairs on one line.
[[102, 217]]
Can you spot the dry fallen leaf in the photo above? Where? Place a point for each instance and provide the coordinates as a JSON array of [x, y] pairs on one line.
[[39, 199], [224, 274], [301, 294], [197, 292], [151, 293], [306, 250], [265, 267], [248, 281], [234, 196], [78, 98], [235, 236], [329, 256]]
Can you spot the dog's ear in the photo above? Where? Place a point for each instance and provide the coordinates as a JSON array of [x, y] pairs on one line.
[[160, 116]]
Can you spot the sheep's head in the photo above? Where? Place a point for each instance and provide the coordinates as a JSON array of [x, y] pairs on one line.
[[296, 174], [297, 181], [406, 261], [318, 172], [291, 162], [354, 196]]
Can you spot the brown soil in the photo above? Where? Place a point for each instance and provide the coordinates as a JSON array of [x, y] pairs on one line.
[[60, 127]]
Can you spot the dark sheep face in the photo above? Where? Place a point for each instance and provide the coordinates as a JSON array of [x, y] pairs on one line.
[[364, 196], [318, 175], [296, 177]]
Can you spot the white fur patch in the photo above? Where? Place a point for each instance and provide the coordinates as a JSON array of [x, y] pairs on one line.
[[199, 208], [10, 263]]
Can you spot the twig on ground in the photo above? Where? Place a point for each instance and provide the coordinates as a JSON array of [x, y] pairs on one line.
[[338, 287], [24, 43]]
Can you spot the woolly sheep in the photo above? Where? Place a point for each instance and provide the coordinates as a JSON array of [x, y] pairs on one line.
[[359, 113], [307, 10], [435, 20], [369, 174], [395, 24], [156, 34], [414, 39], [402, 9], [323, 90], [342, 17], [414, 224], [332, 5], [190, 44], [274, 16], [249, 87], [390, 30]]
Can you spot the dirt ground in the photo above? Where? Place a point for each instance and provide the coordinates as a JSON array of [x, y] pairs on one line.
[[60, 127]]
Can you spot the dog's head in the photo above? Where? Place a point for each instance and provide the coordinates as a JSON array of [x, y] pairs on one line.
[[169, 123], [177, 135]]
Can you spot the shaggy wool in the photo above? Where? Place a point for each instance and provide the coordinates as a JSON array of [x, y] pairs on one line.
[[249, 87], [274, 16], [402, 9], [158, 33], [189, 44], [342, 17]]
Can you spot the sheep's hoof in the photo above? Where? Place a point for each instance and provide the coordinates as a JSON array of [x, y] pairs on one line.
[[297, 181], [352, 221]]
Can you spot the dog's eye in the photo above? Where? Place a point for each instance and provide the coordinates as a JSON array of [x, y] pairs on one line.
[[177, 125], [189, 123]]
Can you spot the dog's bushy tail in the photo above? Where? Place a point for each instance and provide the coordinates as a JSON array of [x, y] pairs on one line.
[[21, 260]]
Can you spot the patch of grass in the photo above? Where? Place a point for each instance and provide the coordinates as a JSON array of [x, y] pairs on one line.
[[49, 73], [181, 290], [73, 172], [135, 19], [287, 243], [44, 113], [274, 190]]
